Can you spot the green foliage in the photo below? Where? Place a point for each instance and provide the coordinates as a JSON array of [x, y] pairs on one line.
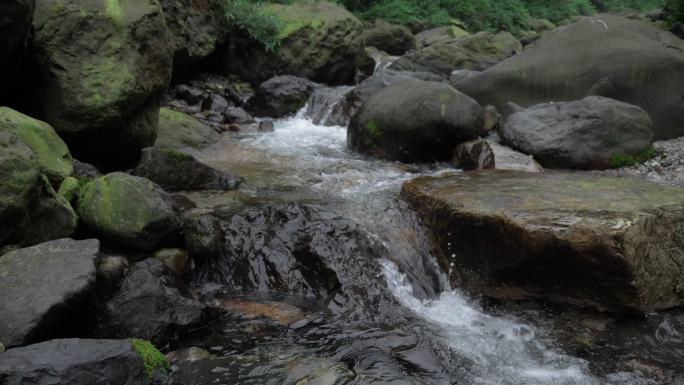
[[620, 159], [152, 358], [675, 10], [248, 17]]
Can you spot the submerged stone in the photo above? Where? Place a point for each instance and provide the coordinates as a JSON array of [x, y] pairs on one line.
[[611, 243]]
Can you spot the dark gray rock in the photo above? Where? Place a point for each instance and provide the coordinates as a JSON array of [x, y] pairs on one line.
[[85, 171], [51, 217], [391, 38], [190, 95], [237, 115], [475, 52], [203, 235], [281, 96], [215, 103], [42, 285], [74, 362], [327, 104], [439, 35], [150, 305], [586, 134], [175, 170], [481, 154], [628, 60], [415, 121], [266, 126]]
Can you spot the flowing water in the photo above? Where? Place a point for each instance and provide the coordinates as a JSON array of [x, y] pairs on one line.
[[434, 335]]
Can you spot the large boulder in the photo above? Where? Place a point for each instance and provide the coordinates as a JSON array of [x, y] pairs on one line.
[[319, 40], [586, 134], [178, 130], [42, 288], [281, 96], [629, 60], [482, 154], [439, 35], [83, 362], [415, 121], [391, 38], [20, 173], [103, 65], [52, 154], [175, 170], [304, 252], [151, 306], [611, 243], [50, 217], [15, 32], [475, 52], [196, 29], [129, 210]]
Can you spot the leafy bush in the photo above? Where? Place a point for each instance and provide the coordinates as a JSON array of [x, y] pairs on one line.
[[619, 159], [247, 17], [675, 10]]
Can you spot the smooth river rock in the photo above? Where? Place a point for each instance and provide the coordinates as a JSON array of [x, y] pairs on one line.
[[41, 286], [610, 243]]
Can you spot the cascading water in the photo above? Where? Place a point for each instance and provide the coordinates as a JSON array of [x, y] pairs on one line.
[[466, 345]]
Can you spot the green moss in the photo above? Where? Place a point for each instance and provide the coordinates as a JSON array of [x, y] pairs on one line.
[[152, 358], [114, 11], [104, 79], [179, 156], [620, 159], [69, 189]]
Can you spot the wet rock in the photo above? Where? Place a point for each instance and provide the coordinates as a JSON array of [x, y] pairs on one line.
[[129, 210], [20, 173], [150, 305], [610, 243], [458, 75], [391, 38], [215, 103], [190, 95], [304, 252], [627, 60], [283, 313], [355, 98], [85, 171], [475, 52], [320, 41], [50, 217], [266, 126], [203, 235], [104, 66], [415, 121], [15, 32], [439, 35], [196, 30], [586, 134], [326, 106], [75, 362], [42, 288], [371, 60], [175, 170], [191, 354], [237, 115], [281, 96], [481, 154], [177, 260], [50, 151]]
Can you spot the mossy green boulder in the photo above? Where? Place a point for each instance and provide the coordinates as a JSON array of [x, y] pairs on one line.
[[50, 217], [20, 174], [439, 35], [611, 243], [474, 52], [319, 41], [129, 210], [178, 130], [103, 66], [52, 153]]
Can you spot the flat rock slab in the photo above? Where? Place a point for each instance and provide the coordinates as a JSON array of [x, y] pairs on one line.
[[41, 285], [73, 362], [612, 243]]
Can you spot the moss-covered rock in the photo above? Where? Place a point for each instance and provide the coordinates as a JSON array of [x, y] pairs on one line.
[[319, 41], [103, 64], [53, 155], [69, 189], [130, 210], [415, 121], [439, 35], [20, 174], [15, 30], [611, 243], [391, 38], [153, 359], [474, 52], [50, 217], [178, 130]]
